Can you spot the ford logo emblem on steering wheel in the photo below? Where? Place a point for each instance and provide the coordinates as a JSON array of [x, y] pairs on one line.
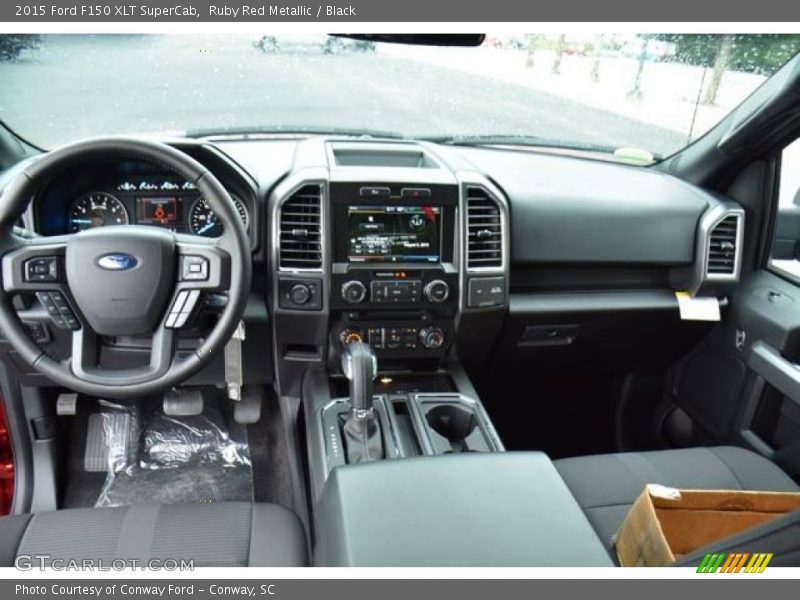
[[117, 262]]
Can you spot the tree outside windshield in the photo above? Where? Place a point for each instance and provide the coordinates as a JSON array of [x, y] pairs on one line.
[[653, 93]]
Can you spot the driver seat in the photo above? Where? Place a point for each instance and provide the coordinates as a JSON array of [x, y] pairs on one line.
[[224, 534]]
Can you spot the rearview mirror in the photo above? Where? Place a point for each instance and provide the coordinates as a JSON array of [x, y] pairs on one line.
[[419, 39]]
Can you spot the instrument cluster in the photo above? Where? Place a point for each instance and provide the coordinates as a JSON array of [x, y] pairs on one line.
[[129, 193], [166, 203]]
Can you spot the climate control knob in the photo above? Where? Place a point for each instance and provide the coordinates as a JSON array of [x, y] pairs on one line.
[[437, 291], [431, 338], [351, 336], [354, 292]]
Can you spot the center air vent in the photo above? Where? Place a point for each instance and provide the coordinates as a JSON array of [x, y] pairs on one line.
[[300, 235], [484, 230], [722, 247]]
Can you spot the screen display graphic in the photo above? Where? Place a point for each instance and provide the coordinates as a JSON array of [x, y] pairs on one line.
[[393, 233], [158, 211]]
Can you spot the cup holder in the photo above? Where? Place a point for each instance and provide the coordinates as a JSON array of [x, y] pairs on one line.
[[454, 424]]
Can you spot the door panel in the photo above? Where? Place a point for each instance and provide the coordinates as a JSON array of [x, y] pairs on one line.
[[766, 318], [741, 385], [786, 241]]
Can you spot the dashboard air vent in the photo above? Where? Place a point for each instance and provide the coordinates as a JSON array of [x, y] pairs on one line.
[[484, 230], [722, 247], [300, 236]]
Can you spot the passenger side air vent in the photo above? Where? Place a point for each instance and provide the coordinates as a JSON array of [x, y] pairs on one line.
[[484, 230], [722, 247], [300, 235]]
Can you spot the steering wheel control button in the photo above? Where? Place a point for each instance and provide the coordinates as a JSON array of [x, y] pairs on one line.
[[60, 302], [486, 292], [177, 305], [46, 301], [42, 269], [194, 268], [37, 331], [182, 308], [437, 291], [181, 319], [180, 301], [58, 309]]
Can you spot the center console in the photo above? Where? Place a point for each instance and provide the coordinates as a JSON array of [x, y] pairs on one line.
[[483, 510], [384, 257], [390, 281], [418, 424]]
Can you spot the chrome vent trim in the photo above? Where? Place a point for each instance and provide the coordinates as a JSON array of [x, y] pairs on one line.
[[723, 247], [721, 262], [485, 232], [300, 234]]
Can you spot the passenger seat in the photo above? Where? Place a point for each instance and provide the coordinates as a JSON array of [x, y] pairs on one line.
[[224, 534], [606, 485]]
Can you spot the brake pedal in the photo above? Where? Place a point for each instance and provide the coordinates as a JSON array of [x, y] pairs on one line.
[[183, 403], [107, 441], [248, 410]]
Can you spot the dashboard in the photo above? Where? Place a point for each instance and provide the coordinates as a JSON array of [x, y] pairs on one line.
[[411, 246], [127, 193]]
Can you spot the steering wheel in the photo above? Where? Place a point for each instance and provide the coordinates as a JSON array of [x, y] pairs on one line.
[[122, 280]]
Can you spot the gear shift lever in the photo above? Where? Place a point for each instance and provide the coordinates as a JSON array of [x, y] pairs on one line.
[[362, 432], [360, 365]]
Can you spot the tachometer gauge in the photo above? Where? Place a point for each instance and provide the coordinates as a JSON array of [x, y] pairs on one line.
[[96, 209], [203, 221]]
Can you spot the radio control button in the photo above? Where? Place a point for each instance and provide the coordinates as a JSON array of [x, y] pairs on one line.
[[354, 292], [437, 291]]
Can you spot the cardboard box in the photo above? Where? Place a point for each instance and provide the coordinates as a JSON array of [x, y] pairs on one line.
[[665, 523]]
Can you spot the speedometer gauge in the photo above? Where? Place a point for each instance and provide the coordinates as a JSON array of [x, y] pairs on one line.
[[203, 221], [96, 209]]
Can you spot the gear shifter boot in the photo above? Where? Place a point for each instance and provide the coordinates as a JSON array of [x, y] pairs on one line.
[[363, 441]]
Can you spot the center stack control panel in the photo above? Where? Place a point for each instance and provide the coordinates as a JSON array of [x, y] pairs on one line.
[[398, 312], [394, 281], [389, 243]]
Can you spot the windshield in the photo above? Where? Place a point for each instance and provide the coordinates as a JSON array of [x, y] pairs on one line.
[[645, 96]]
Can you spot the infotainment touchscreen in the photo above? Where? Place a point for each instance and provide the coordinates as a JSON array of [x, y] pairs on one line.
[[393, 233]]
